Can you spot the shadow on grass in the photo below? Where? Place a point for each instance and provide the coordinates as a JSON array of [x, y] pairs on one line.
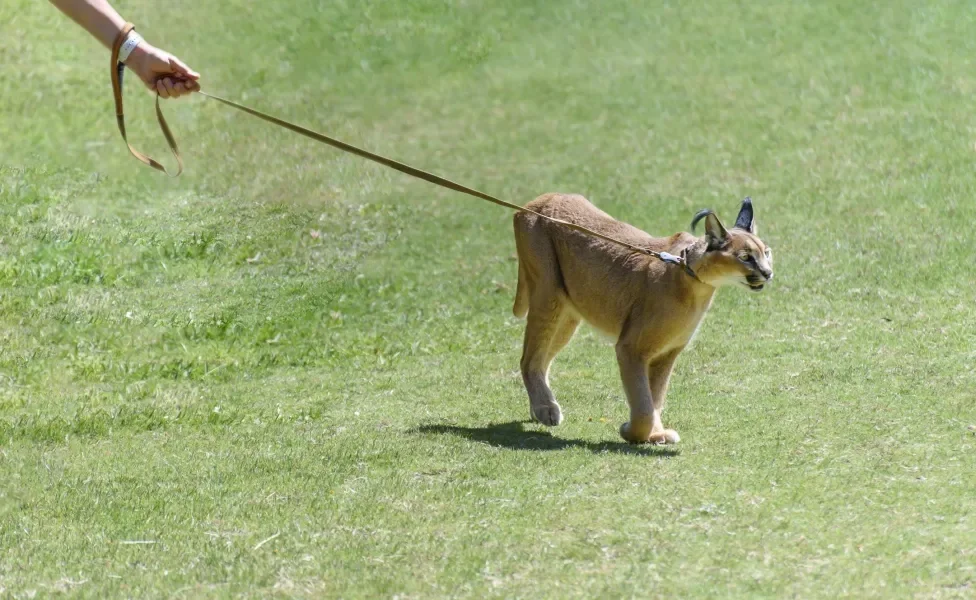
[[515, 436]]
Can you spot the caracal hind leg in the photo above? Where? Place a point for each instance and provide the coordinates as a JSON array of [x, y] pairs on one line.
[[549, 327], [658, 375], [564, 332]]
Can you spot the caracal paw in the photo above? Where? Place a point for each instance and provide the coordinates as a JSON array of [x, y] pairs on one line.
[[547, 414]]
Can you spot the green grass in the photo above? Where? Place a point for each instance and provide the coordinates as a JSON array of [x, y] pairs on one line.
[[183, 362]]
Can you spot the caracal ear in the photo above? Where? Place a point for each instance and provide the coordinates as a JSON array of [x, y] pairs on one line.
[[714, 230], [746, 219]]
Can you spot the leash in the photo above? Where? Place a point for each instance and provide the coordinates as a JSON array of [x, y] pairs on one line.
[[118, 68]]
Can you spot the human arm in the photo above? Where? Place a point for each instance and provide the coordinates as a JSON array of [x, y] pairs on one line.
[[159, 70]]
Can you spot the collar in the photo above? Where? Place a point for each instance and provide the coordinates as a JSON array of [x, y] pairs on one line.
[[687, 268]]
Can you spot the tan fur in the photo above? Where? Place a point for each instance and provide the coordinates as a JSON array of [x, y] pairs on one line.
[[650, 308]]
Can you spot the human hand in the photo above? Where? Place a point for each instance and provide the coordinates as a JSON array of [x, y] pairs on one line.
[[162, 72]]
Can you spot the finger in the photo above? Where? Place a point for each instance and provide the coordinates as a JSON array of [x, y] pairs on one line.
[[192, 86], [169, 87], [180, 89], [180, 67], [161, 89]]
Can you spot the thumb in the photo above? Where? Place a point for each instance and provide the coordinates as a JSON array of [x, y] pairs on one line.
[[177, 66]]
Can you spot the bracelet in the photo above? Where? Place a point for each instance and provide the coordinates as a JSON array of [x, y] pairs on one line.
[[129, 45]]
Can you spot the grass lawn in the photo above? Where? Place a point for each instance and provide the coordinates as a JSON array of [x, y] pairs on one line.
[[291, 371]]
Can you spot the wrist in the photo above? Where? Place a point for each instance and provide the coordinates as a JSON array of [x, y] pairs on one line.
[[133, 47], [139, 59]]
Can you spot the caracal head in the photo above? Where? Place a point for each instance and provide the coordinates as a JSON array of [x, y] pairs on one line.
[[734, 256]]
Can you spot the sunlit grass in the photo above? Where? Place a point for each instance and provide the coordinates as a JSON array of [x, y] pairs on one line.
[[292, 371]]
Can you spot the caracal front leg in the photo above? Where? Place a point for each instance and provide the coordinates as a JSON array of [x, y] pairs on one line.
[[549, 327], [658, 375], [633, 374]]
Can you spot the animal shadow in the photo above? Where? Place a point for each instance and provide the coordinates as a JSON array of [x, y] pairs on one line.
[[514, 436]]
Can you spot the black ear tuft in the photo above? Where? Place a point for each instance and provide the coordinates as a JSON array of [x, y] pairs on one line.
[[746, 218], [699, 216]]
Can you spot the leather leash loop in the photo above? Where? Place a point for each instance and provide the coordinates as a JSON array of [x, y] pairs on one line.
[[117, 70]]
